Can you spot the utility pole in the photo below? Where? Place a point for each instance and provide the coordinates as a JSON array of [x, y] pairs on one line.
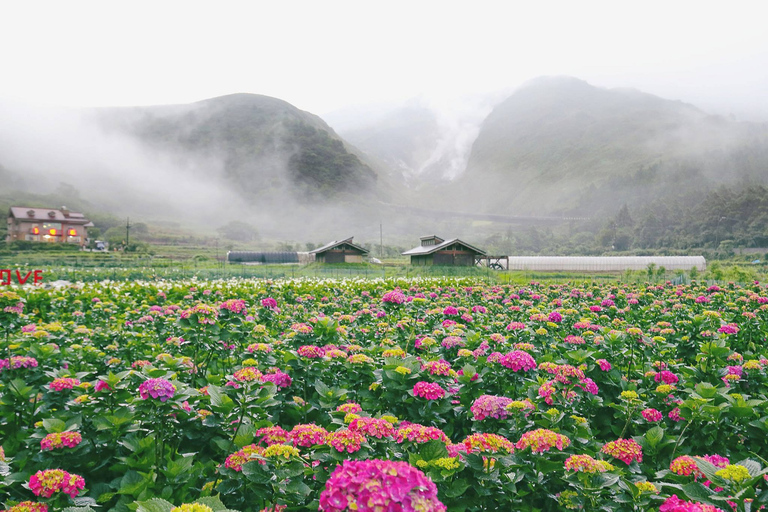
[[127, 232], [381, 241]]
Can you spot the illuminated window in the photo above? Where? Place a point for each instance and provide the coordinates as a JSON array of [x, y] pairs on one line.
[[51, 231]]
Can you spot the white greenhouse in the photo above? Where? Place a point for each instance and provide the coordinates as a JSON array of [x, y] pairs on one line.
[[604, 263]]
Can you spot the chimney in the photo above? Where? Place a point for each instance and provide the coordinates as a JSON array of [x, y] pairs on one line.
[[65, 211]]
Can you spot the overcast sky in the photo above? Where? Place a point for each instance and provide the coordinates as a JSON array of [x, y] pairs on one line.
[[322, 55]]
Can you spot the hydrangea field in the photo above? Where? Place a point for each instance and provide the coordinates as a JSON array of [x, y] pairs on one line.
[[374, 395]]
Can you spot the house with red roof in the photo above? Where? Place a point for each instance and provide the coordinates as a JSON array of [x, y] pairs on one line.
[[48, 225]]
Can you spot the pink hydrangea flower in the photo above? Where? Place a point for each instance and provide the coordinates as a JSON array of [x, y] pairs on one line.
[[542, 440], [278, 378], [626, 450], [675, 504], [269, 303], [518, 360], [652, 415], [308, 435], [60, 440], [50, 481], [311, 351], [428, 390], [345, 440], [374, 427], [393, 297], [666, 377], [62, 383], [379, 485], [490, 406]]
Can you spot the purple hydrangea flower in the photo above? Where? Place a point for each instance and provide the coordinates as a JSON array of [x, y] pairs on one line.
[[157, 388]]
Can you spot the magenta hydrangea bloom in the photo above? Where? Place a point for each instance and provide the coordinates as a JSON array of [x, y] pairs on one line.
[[450, 311], [675, 504], [157, 388], [18, 362], [652, 415], [379, 485], [50, 481], [588, 385], [516, 326], [269, 303], [604, 365], [518, 360], [278, 378], [393, 297], [729, 329], [666, 377], [236, 306], [490, 406], [428, 390]]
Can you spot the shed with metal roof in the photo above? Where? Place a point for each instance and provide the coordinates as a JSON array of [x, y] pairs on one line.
[[340, 251], [433, 250]]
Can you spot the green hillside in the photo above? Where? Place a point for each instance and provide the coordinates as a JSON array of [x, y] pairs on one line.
[[261, 145], [561, 146]]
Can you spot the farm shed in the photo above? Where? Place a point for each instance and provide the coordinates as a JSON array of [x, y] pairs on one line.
[[340, 251], [604, 263], [268, 258], [433, 250]]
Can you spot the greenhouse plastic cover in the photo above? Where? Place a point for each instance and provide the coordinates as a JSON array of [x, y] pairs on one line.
[[605, 263]]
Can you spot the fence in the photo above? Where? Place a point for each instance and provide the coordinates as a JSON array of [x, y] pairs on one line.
[[151, 273]]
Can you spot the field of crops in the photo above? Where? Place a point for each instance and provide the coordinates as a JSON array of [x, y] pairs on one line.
[[383, 395]]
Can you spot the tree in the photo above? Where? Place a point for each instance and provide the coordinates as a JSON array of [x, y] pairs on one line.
[[623, 218], [238, 231]]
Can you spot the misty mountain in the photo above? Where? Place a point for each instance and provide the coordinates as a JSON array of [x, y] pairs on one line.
[[242, 157], [554, 147], [559, 145], [261, 146]]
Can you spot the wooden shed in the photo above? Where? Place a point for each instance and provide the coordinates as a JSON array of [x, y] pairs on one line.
[[340, 251], [436, 251]]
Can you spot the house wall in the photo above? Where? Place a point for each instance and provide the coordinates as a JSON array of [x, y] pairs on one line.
[[22, 230], [340, 255], [333, 257], [421, 261], [454, 258]]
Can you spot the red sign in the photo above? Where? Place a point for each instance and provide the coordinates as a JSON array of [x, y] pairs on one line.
[[8, 276]]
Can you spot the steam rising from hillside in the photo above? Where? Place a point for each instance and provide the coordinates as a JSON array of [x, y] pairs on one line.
[[428, 138], [458, 123]]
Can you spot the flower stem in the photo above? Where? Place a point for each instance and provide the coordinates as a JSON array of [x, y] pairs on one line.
[[680, 438]]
